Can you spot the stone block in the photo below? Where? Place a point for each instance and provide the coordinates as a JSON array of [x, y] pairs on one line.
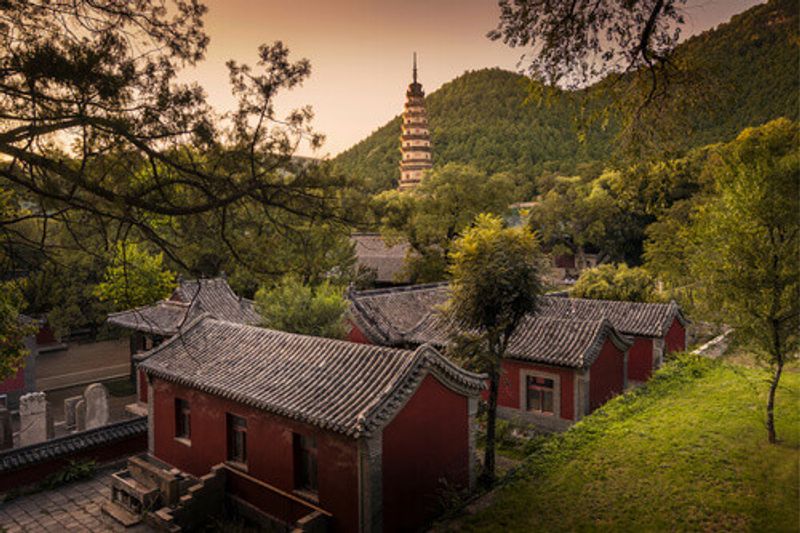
[[70, 403], [36, 422], [80, 415], [96, 397]]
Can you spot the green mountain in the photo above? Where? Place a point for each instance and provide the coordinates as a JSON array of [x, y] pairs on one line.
[[483, 118]]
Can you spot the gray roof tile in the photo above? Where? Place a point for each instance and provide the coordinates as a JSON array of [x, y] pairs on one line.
[[345, 387], [191, 299], [64, 446]]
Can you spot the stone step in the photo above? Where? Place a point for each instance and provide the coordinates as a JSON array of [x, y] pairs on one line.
[[120, 514]]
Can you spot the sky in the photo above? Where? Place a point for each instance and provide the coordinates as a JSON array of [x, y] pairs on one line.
[[361, 52]]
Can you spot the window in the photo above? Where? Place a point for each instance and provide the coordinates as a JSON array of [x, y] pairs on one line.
[[305, 459], [237, 439], [539, 397], [183, 421]]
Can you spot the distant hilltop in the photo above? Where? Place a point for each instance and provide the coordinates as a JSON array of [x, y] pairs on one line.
[[481, 117]]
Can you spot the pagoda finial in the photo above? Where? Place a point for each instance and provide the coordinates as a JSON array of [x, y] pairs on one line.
[[415, 67]]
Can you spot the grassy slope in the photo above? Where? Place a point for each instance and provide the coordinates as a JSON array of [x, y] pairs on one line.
[[688, 452]]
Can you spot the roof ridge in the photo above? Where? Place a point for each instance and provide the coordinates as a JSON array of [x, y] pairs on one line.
[[317, 338], [400, 289]]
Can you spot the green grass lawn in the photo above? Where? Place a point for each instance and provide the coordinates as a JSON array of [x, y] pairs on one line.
[[687, 452]]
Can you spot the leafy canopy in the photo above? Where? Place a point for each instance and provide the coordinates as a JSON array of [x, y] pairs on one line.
[[296, 307], [13, 331], [135, 278], [433, 214], [616, 282], [495, 280]]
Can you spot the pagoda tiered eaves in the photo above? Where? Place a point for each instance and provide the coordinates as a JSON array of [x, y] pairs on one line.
[[415, 144]]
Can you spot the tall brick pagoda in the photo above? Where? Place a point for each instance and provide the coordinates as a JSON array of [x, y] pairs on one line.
[[415, 141]]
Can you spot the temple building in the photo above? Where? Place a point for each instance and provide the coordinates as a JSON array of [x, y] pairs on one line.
[[415, 141]]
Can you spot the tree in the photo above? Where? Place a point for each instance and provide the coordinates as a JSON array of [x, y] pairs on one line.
[[741, 245], [629, 45], [495, 282], [430, 216], [135, 278], [298, 308], [98, 131], [616, 282], [13, 330]]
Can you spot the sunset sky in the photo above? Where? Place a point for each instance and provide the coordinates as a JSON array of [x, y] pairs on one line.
[[360, 51]]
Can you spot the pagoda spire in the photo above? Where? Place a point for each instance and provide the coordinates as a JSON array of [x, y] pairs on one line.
[[415, 140]]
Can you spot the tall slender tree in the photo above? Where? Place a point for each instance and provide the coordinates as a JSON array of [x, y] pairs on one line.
[[495, 283]]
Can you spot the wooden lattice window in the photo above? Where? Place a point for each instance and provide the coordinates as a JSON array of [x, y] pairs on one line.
[[305, 454], [183, 419], [237, 439], [540, 394]]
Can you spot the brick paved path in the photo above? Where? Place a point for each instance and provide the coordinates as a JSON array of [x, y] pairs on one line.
[[73, 507]]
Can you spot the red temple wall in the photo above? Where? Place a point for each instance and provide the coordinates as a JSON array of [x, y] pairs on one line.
[[15, 384], [426, 442], [270, 456], [510, 386], [607, 375], [675, 341], [640, 359]]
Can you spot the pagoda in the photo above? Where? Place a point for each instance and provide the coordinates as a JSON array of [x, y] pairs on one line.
[[415, 141]]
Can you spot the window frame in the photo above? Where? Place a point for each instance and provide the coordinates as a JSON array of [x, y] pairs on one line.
[[236, 425], [523, 392], [183, 420], [305, 449]]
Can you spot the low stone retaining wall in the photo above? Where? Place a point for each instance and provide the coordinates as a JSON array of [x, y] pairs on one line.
[[30, 464]]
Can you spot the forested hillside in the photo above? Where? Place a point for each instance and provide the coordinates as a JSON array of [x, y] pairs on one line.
[[482, 117]]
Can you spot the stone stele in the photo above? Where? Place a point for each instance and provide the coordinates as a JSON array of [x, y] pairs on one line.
[[96, 397]]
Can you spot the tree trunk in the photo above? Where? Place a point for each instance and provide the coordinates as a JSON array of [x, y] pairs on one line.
[[771, 403], [773, 387], [487, 476]]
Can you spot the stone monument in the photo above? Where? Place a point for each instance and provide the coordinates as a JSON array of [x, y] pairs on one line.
[[35, 420]]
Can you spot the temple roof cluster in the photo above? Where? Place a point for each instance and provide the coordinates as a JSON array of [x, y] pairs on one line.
[[345, 387], [189, 300], [563, 331]]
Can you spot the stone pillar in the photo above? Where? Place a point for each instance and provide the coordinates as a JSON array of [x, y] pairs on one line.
[[370, 453], [70, 420], [472, 414], [36, 423], [6, 433], [658, 353], [581, 394], [96, 397], [151, 421], [80, 414], [625, 357]]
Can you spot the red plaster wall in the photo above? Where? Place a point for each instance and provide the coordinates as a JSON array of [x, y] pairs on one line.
[[17, 383], [269, 441], [640, 359], [607, 375], [356, 335], [427, 441], [142, 385], [675, 341], [510, 385]]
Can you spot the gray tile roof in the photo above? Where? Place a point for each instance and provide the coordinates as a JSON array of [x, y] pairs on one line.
[[387, 313], [345, 387], [70, 444], [553, 341], [630, 318], [191, 299], [387, 261]]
